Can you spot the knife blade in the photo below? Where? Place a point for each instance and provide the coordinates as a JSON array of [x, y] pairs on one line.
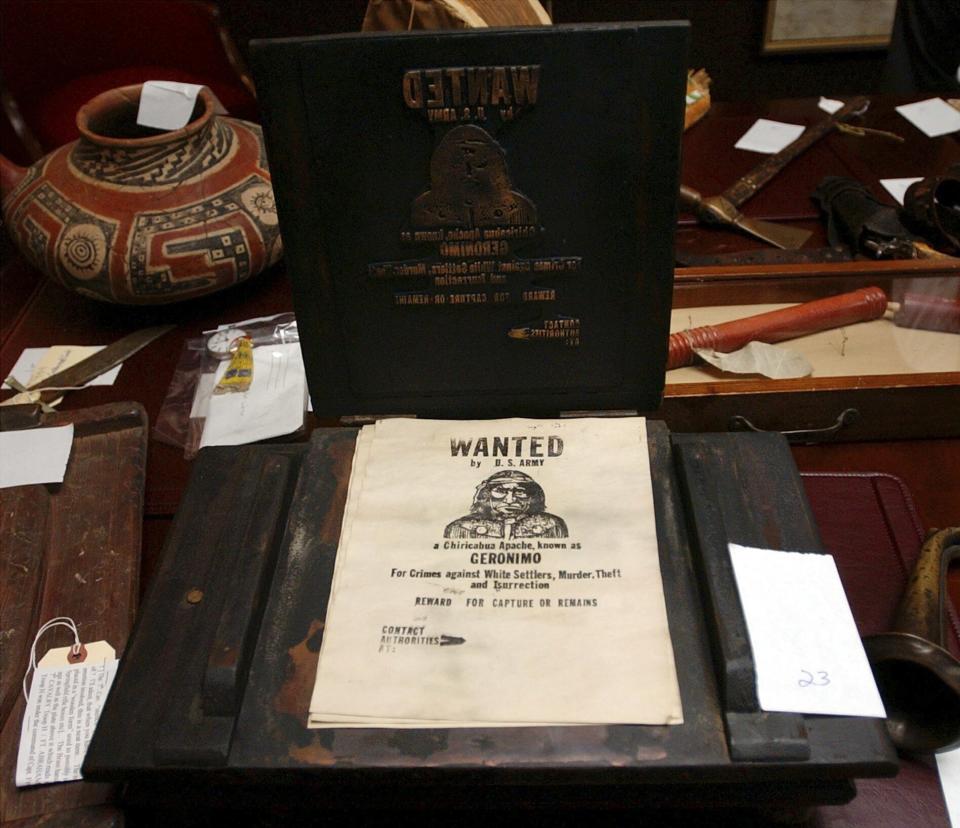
[[94, 365]]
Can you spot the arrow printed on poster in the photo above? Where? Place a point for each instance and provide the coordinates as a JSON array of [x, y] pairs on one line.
[[451, 640]]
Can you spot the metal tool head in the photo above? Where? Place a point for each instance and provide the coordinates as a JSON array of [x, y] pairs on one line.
[[779, 235]]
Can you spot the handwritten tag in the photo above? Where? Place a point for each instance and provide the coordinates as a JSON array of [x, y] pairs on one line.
[[36, 364], [805, 643], [769, 136], [61, 715]]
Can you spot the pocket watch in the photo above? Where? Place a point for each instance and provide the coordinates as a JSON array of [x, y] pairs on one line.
[[221, 344]]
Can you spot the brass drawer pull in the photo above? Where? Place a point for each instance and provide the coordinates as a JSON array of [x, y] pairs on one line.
[[848, 416]]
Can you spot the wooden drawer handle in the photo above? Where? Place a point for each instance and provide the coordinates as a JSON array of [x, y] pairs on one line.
[[848, 416]]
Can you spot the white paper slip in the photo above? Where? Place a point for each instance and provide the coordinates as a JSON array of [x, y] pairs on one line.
[[933, 117], [272, 406], [34, 455], [948, 763], [897, 187], [829, 105], [35, 364], [167, 104], [774, 361], [202, 394], [769, 136], [61, 715], [805, 643]]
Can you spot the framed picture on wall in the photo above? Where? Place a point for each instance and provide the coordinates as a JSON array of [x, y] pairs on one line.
[[824, 25]]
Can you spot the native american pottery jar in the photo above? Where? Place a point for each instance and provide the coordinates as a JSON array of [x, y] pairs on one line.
[[139, 216]]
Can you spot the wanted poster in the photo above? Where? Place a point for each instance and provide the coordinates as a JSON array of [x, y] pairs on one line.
[[498, 572]]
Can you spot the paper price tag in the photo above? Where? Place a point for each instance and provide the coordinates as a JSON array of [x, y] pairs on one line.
[[61, 715], [95, 651], [808, 654]]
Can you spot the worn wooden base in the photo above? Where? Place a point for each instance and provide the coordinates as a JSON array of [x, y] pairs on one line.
[[214, 690], [70, 549]]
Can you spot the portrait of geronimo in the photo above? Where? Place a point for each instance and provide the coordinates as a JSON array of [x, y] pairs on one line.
[[508, 504], [470, 185]]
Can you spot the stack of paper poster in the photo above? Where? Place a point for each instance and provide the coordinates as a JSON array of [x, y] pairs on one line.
[[497, 573]]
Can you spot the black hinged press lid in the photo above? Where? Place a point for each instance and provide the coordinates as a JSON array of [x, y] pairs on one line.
[[479, 222]]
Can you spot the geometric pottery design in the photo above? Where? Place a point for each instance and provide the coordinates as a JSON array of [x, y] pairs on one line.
[[214, 234], [144, 221], [170, 163]]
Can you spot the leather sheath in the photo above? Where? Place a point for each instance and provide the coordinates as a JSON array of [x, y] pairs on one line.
[[855, 218]]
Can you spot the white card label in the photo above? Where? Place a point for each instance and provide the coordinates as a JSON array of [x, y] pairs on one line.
[[807, 651], [61, 715], [34, 455], [933, 117], [769, 136]]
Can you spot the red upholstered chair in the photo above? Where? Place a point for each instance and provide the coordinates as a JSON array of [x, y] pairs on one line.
[[57, 54]]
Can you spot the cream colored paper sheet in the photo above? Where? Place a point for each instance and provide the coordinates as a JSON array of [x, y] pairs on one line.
[[498, 590]]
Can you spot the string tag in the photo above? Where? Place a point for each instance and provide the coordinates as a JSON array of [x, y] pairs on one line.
[[64, 700]]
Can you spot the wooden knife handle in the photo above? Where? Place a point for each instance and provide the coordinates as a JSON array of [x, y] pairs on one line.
[[744, 188], [777, 326]]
